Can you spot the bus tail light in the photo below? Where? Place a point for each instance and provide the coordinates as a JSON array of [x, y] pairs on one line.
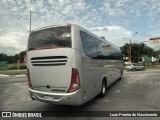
[[29, 79], [69, 24], [75, 81]]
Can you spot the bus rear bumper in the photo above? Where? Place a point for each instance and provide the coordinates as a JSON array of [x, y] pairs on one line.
[[74, 98]]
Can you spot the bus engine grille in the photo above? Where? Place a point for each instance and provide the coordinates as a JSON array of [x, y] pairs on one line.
[[49, 61]]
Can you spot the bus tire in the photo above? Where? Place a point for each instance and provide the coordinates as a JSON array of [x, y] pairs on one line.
[[103, 88], [121, 75]]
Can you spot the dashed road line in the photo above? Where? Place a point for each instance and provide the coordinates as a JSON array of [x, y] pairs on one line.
[[106, 100], [150, 82], [117, 91]]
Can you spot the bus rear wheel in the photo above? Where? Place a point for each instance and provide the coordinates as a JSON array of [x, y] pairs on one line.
[[103, 89]]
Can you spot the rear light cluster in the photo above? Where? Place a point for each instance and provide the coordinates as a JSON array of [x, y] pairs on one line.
[[69, 24], [75, 81], [29, 79]]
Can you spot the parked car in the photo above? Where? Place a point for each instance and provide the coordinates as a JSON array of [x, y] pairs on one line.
[[134, 66]]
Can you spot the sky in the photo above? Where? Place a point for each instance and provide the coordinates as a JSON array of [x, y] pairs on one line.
[[116, 20]]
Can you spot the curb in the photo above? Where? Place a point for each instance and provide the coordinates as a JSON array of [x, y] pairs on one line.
[[17, 75], [4, 76]]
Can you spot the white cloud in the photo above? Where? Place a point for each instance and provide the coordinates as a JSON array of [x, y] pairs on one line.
[[13, 42], [114, 34], [116, 17]]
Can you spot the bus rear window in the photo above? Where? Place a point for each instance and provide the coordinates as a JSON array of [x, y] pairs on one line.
[[50, 38]]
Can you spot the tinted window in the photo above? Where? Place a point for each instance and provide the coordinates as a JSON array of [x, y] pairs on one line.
[[89, 45], [50, 38], [111, 53], [101, 52], [116, 55], [134, 64], [97, 49]]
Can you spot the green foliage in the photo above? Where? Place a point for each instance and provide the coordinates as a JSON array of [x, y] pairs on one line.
[[14, 66], [13, 59], [139, 50], [12, 72], [125, 49]]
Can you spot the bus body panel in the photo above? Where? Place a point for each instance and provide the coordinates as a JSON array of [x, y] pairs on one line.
[[48, 72], [92, 76], [74, 98], [76, 38]]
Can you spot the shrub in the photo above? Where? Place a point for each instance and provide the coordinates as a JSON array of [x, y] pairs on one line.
[[14, 66]]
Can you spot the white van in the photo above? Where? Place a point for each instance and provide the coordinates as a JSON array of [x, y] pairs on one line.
[[69, 65]]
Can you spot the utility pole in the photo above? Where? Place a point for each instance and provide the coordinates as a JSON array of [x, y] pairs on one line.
[[130, 50], [30, 20], [18, 62]]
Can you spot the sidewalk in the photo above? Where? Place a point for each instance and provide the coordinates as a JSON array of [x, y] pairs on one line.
[[2, 75], [5, 76]]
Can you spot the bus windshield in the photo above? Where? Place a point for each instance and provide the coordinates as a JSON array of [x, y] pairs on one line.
[[50, 38]]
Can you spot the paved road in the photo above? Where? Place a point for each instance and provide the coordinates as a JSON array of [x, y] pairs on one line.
[[137, 91]]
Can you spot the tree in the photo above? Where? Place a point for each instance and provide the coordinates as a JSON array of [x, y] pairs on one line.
[[3, 57], [138, 50], [13, 59], [125, 49]]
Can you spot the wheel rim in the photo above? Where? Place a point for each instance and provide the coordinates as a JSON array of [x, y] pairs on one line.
[[103, 89]]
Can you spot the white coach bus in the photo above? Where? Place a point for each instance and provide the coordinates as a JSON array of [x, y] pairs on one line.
[[69, 65]]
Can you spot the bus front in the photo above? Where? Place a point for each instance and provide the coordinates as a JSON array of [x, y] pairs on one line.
[[51, 75]]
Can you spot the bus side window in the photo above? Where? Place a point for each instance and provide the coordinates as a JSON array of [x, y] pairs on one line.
[[89, 45], [100, 50]]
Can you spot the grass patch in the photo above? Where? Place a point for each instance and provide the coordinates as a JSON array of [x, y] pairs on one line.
[[13, 72], [152, 67], [13, 66]]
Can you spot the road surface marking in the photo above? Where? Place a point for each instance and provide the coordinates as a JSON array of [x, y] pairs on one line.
[[157, 83], [117, 91], [150, 82], [107, 100]]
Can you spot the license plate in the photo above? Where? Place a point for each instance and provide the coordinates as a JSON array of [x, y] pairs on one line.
[[48, 97]]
